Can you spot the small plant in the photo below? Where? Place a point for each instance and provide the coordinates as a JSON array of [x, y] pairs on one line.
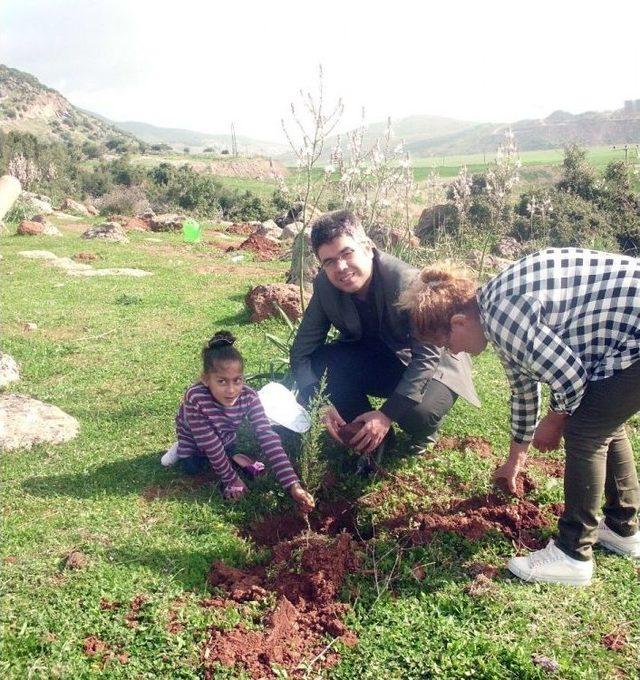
[[311, 461]]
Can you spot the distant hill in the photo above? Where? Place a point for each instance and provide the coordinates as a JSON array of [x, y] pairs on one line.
[[560, 128], [26, 105], [426, 136], [197, 141]]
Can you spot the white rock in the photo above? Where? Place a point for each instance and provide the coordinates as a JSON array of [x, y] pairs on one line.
[[9, 370], [25, 422], [38, 254], [114, 271]]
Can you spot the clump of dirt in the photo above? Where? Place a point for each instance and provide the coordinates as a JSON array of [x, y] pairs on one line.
[[244, 228], [524, 485], [75, 560], [477, 445], [94, 646], [616, 640], [474, 517], [478, 568], [330, 518], [132, 618], [305, 575], [264, 248], [480, 586]]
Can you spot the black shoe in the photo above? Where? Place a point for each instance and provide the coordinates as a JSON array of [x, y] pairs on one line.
[[424, 445]]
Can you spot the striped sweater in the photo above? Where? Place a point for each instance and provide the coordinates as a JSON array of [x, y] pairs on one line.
[[205, 427]]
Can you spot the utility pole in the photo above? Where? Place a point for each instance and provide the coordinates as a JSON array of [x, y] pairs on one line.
[[234, 142]]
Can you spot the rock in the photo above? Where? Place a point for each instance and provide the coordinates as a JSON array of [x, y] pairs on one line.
[[166, 222], [269, 229], [310, 262], [25, 422], [260, 301], [292, 229], [91, 209], [509, 248], [39, 228], [438, 219], [390, 237], [38, 254], [9, 370], [74, 206], [108, 231], [29, 326], [295, 213]]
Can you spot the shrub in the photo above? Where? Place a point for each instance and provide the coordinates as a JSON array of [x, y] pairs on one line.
[[124, 201]]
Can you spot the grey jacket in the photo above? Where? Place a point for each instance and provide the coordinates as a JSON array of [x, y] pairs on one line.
[[330, 306]]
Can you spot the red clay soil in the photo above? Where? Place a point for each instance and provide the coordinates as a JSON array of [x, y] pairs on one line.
[[330, 518], [524, 484], [616, 640], [550, 466], [472, 518], [305, 575], [264, 248]]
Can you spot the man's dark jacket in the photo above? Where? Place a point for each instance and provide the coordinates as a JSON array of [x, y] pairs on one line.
[[330, 306]]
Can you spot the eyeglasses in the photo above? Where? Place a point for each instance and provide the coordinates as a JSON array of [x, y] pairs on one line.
[[345, 256]]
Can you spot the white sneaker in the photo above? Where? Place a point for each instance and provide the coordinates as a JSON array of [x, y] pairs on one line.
[[551, 565], [623, 545], [170, 457]]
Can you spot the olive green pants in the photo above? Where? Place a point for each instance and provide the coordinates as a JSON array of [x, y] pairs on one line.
[[599, 459]]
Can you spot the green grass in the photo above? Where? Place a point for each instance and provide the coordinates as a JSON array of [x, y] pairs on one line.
[[117, 353]]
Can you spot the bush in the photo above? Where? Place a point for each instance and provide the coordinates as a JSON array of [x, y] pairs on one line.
[[578, 222], [124, 201]]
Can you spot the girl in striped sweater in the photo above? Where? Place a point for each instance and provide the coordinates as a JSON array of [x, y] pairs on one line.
[[208, 419]]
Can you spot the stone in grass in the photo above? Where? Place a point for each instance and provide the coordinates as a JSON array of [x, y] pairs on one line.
[[9, 370], [25, 422], [37, 228], [545, 663], [112, 271], [38, 254], [75, 560], [107, 231]]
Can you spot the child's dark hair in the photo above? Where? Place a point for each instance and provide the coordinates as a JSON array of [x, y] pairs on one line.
[[218, 350]]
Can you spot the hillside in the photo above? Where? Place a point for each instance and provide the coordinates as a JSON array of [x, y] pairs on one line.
[[26, 105], [197, 141]]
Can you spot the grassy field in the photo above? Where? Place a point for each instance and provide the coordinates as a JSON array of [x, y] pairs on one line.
[[117, 353]]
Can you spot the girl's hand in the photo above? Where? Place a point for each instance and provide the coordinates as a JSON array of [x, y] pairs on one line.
[[234, 490], [303, 498]]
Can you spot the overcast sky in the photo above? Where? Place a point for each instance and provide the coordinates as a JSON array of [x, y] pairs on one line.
[[203, 65]]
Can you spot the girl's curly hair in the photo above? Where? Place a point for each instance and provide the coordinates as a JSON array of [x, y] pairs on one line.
[[434, 296]]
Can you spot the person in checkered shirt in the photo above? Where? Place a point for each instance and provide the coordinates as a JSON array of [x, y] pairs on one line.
[[569, 318]]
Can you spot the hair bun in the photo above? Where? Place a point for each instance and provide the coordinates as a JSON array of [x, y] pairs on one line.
[[221, 339]]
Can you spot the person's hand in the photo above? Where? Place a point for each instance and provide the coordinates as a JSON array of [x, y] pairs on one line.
[[505, 476], [332, 421], [234, 490], [376, 425], [303, 498], [549, 431]]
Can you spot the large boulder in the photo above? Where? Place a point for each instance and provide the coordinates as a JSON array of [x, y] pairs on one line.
[[391, 237], [509, 248], [37, 228], [436, 220], [295, 214], [25, 422], [291, 230], [166, 222], [9, 370], [262, 299], [74, 207], [107, 231], [269, 229], [40, 203]]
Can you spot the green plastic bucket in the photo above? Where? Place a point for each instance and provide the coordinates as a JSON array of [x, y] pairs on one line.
[[192, 231]]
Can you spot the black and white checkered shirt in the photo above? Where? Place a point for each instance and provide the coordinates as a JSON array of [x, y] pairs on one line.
[[562, 316]]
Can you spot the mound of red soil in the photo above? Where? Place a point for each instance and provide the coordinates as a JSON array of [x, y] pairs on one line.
[[264, 248], [550, 466], [330, 518], [472, 518], [305, 575]]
